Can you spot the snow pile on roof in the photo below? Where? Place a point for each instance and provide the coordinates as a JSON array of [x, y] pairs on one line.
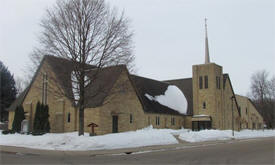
[[211, 135], [172, 98]]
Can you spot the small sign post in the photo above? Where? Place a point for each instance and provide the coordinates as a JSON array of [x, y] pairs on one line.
[[92, 125]]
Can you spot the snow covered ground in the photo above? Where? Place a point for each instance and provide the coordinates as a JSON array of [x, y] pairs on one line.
[[144, 137], [71, 141], [210, 135]]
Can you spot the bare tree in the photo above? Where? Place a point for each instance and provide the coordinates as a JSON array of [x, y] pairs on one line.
[[85, 32], [20, 84], [272, 88], [263, 95], [259, 85]]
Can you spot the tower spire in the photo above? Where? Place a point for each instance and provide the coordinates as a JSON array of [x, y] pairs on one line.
[[207, 58]]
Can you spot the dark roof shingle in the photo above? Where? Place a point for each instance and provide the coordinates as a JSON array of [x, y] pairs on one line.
[[19, 100], [63, 69], [104, 83], [97, 90]]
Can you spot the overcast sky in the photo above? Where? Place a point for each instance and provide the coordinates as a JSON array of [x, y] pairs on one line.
[[169, 35]]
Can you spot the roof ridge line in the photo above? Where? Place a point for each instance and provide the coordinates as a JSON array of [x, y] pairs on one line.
[[178, 79], [149, 79]]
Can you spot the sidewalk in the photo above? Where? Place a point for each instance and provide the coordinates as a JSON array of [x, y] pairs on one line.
[[180, 145]]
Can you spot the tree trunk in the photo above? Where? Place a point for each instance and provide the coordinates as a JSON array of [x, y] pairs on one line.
[[81, 121], [81, 102]]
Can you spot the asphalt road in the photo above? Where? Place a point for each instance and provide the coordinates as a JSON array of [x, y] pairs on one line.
[[253, 151]]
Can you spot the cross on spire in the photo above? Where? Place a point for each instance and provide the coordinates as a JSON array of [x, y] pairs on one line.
[[207, 58]]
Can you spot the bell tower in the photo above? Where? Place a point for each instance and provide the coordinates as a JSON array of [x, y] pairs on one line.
[[207, 92]]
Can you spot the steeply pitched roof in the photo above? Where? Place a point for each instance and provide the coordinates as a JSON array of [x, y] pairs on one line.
[[19, 100], [186, 86], [105, 81], [63, 69], [251, 102], [96, 92], [102, 85], [254, 105], [226, 77], [153, 88]]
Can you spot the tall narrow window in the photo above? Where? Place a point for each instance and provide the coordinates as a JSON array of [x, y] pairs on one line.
[[42, 92], [44, 88], [218, 82], [204, 105], [240, 110], [246, 110], [69, 117], [200, 82], [205, 82], [131, 118], [157, 120], [173, 121]]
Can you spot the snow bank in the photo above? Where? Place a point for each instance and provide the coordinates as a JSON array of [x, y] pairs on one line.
[[205, 135], [172, 98], [71, 141], [144, 137], [211, 135], [245, 134]]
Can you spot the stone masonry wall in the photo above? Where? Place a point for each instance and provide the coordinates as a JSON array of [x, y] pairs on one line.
[[122, 102], [251, 116], [211, 96], [165, 121]]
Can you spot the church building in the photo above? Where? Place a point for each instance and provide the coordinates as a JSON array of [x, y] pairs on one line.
[[127, 102]]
